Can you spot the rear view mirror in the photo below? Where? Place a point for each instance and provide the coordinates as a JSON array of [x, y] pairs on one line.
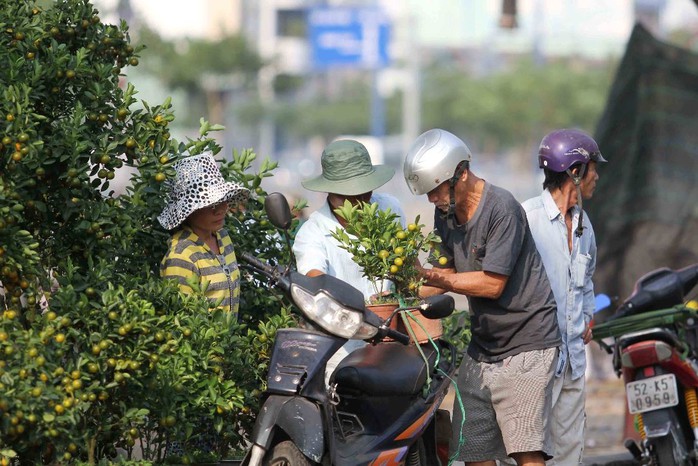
[[438, 306], [278, 211]]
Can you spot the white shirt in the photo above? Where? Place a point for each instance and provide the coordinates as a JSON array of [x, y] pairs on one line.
[[569, 272], [315, 248]]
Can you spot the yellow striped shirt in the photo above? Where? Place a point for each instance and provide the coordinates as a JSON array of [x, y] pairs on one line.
[[219, 275]]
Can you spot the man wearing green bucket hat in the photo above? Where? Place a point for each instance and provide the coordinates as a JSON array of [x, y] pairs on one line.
[[347, 174]]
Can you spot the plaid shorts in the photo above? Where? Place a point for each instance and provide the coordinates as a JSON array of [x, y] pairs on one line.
[[507, 406]]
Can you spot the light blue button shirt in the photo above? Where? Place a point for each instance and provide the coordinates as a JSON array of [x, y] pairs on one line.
[[570, 274], [315, 248]]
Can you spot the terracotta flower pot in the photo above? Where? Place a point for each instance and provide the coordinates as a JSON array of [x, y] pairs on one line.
[[432, 328], [384, 311]]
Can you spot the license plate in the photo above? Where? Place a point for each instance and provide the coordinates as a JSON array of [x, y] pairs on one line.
[[652, 393]]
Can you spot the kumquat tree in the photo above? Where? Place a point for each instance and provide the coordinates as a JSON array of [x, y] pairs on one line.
[[97, 353]]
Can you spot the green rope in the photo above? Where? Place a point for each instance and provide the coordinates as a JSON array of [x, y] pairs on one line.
[[406, 315], [461, 439]]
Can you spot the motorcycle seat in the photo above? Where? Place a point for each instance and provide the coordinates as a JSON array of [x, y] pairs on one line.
[[385, 369], [656, 333]]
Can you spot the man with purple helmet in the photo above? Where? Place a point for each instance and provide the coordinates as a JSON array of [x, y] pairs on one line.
[[565, 240]]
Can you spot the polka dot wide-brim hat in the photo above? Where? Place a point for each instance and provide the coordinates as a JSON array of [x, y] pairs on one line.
[[198, 183]]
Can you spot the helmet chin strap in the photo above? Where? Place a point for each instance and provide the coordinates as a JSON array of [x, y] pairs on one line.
[[451, 214], [577, 180]]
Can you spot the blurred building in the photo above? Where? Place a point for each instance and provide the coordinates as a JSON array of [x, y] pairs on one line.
[[173, 19], [462, 33], [467, 33]]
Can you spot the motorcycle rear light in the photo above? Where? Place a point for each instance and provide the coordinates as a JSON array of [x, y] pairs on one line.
[[646, 353], [646, 356]]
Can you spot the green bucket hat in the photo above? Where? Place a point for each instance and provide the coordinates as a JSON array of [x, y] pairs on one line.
[[347, 170]]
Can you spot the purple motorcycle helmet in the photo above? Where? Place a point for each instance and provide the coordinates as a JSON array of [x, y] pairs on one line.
[[563, 148]]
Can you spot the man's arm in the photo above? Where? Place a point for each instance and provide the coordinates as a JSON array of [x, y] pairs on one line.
[[428, 290], [478, 284], [310, 250]]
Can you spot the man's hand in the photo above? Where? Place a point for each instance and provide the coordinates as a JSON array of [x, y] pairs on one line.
[[587, 335], [480, 284], [426, 289]]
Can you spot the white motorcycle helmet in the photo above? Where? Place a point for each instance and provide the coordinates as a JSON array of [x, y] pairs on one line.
[[433, 159]]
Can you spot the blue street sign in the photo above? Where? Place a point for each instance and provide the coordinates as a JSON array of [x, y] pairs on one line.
[[348, 37]]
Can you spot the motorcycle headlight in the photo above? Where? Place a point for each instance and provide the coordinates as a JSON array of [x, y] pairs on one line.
[[330, 315], [365, 332]]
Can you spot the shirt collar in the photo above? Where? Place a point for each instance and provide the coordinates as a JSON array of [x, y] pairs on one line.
[[549, 205], [551, 208], [326, 217]]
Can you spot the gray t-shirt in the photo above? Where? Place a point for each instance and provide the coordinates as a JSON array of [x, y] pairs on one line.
[[497, 239]]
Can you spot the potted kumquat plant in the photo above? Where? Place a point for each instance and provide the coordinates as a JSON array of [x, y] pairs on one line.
[[388, 254]]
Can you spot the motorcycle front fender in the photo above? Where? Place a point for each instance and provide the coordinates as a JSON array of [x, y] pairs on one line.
[[299, 418]]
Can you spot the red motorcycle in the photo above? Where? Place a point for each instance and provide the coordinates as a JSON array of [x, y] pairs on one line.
[[655, 349]]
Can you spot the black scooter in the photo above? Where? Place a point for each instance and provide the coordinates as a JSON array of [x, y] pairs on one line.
[[383, 401]]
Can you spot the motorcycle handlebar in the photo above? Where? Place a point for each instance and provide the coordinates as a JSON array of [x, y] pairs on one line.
[[397, 336], [277, 276], [256, 263], [271, 272], [383, 328]]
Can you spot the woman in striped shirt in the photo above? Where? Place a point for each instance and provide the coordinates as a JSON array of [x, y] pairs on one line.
[[200, 253]]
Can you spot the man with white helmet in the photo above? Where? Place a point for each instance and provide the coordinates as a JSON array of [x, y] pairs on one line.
[[566, 242], [505, 379]]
